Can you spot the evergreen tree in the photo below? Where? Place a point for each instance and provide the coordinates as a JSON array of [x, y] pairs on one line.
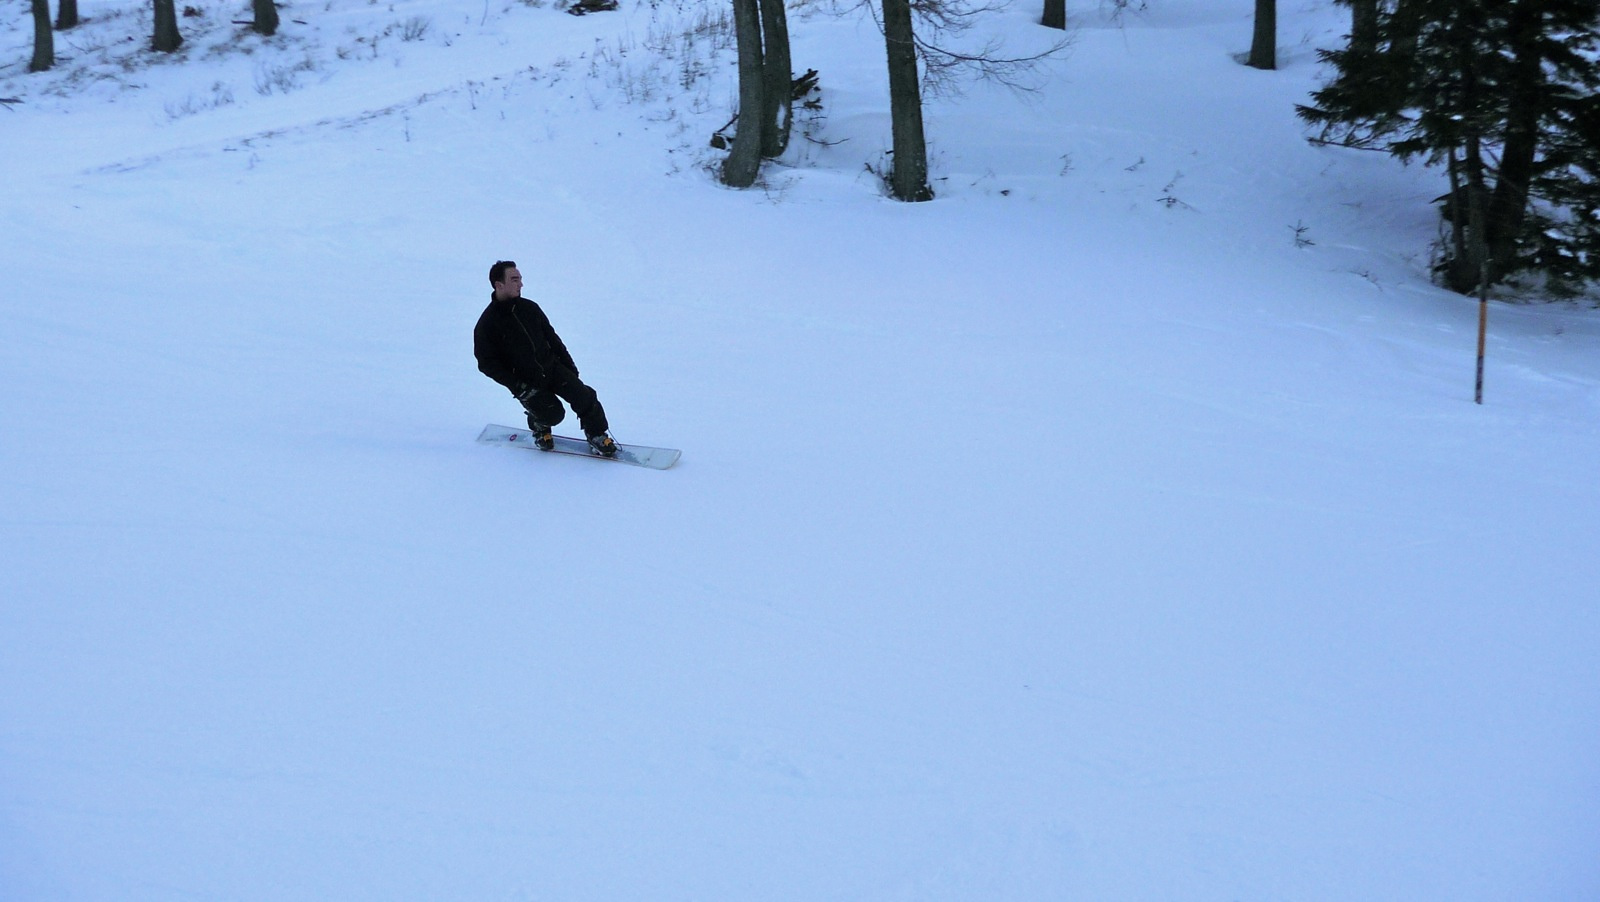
[[1569, 181], [1501, 92], [1363, 23]]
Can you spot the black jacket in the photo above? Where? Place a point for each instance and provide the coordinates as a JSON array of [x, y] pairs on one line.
[[516, 346]]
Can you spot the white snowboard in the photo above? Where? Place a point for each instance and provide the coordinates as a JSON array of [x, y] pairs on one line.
[[638, 455]]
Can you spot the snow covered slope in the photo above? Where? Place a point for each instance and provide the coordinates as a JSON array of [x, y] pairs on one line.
[[1074, 536]]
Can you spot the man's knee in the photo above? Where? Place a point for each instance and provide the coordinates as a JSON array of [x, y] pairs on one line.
[[547, 409]]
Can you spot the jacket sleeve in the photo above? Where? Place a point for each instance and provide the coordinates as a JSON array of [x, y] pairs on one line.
[[487, 347]]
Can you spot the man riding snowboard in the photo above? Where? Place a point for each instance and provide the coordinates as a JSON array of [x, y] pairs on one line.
[[516, 347]]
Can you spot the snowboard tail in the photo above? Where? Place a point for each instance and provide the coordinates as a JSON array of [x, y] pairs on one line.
[[637, 455]]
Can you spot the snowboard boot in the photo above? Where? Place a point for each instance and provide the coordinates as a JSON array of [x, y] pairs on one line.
[[603, 444], [542, 439]]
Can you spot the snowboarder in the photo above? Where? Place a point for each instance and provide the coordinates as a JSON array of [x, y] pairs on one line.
[[516, 347]]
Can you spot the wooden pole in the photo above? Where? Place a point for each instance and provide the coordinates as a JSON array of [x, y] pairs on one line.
[[1483, 324], [1479, 223]]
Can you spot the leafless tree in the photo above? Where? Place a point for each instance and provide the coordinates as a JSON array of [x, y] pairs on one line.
[[67, 15], [744, 159], [944, 66], [1055, 14], [44, 44], [766, 94], [908, 176], [266, 17], [777, 66], [166, 38], [1264, 45], [941, 69]]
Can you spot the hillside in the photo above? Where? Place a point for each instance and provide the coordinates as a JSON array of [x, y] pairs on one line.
[[1077, 535]]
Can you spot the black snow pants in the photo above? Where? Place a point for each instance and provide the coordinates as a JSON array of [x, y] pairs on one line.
[[565, 384]]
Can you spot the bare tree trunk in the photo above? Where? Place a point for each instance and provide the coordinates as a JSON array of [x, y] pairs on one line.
[[1469, 263], [1364, 26], [44, 43], [1405, 23], [1457, 216], [166, 39], [779, 87], [266, 17], [1475, 271], [744, 159], [67, 15], [1508, 207], [1264, 46], [1055, 14], [908, 180]]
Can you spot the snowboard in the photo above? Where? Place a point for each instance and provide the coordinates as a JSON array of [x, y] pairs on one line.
[[638, 455]]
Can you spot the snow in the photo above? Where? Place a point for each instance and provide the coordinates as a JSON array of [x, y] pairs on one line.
[[1073, 536]]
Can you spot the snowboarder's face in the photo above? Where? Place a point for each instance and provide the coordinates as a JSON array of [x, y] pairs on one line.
[[511, 287]]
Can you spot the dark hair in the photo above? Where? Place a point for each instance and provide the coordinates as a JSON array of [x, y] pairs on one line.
[[497, 272]]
